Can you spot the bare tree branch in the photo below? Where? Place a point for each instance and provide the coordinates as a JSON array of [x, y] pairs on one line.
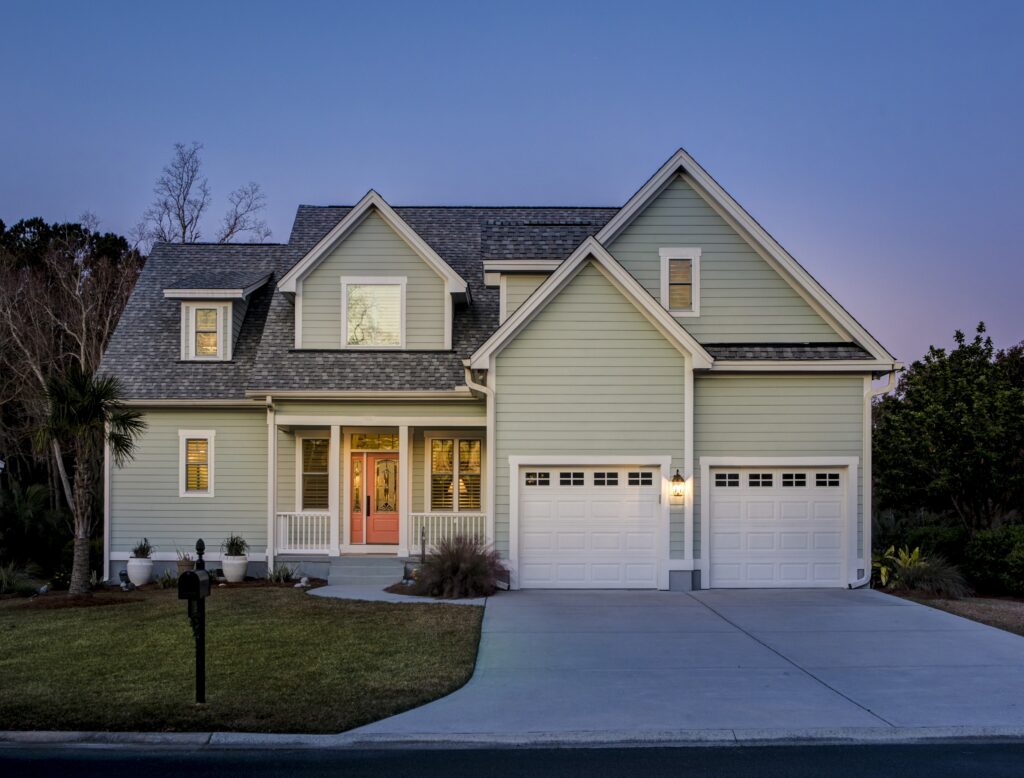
[[183, 198], [244, 206]]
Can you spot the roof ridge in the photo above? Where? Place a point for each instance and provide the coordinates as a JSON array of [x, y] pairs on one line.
[[489, 207]]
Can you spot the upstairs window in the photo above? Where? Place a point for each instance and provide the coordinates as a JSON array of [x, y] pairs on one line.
[[373, 312], [206, 331], [680, 281]]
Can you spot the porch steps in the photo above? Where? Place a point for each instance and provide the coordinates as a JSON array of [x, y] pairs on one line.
[[365, 571]]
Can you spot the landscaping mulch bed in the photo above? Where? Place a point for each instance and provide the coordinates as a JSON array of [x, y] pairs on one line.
[[1005, 613]]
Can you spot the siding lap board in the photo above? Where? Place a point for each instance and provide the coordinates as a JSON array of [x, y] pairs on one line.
[[519, 286], [144, 494], [742, 298], [588, 376], [373, 249]]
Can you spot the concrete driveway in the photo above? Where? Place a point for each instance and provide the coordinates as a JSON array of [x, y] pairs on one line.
[[658, 662]]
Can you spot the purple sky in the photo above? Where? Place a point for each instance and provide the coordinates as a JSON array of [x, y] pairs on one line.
[[879, 142]]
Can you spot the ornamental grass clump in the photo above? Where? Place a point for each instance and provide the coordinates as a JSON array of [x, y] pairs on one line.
[[911, 571], [459, 568]]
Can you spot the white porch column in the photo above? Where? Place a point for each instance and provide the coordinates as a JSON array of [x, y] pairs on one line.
[[334, 488], [271, 485], [404, 488]]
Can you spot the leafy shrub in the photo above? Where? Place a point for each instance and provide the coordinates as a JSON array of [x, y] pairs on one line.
[[143, 549], [235, 545], [947, 541], [912, 571], [281, 574], [458, 568], [14, 581], [994, 560]]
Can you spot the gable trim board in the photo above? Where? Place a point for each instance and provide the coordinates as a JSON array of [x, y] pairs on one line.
[[850, 464], [370, 202], [791, 270], [592, 250]]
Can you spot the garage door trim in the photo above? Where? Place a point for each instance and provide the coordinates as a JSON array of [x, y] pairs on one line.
[[850, 561], [516, 463]]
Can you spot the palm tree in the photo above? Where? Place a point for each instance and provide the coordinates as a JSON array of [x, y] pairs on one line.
[[84, 413]]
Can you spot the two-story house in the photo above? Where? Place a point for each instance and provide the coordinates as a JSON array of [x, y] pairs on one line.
[[651, 396]]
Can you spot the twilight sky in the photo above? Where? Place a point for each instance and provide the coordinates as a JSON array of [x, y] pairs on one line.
[[880, 143]]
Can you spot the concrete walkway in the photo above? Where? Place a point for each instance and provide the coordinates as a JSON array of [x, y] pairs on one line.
[[377, 594], [592, 664]]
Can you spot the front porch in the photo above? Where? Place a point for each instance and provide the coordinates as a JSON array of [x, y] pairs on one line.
[[345, 489]]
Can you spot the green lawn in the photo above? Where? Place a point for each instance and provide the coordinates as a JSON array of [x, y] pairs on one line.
[[278, 660]]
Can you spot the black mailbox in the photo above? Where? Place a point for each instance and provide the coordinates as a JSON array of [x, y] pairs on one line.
[[194, 585]]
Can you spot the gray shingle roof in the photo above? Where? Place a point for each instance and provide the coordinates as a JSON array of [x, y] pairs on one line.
[[726, 351], [219, 278], [145, 349]]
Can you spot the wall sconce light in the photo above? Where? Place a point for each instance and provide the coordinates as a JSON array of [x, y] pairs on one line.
[[678, 485]]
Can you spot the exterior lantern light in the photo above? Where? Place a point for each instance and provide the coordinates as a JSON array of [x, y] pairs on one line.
[[678, 485]]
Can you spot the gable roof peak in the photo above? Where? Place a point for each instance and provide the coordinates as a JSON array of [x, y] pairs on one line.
[[371, 201]]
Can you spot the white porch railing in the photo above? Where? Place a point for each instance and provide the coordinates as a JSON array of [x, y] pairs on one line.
[[303, 533], [445, 525]]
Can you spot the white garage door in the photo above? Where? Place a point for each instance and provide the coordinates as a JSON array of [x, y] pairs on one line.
[[773, 527], [588, 527]]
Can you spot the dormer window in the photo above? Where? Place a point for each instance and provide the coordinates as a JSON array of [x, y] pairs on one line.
[[680, 281], [206, 329], [373, 312], [206, 333]]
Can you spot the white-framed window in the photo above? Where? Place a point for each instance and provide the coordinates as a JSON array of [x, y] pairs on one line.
[[206, 331], [312, 470], [538, 478], [680, 280], [454, 473], [373, 312], [830, 480], [195, 463], [727, 480]]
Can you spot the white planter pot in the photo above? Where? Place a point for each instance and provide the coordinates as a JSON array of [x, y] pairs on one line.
[[140, 571], [234, 568]]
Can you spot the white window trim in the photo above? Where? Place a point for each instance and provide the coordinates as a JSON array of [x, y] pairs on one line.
[[183, 436], [428, 464], [692, 254], [399, 281], [299, 437], [225, 327]]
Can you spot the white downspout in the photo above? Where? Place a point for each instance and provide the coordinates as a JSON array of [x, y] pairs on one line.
[[488, 393], [869, 395]]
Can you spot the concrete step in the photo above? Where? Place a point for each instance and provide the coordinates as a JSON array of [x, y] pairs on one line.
[[365, 571]]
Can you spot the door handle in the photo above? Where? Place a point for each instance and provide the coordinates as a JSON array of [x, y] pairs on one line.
[[367, 505]]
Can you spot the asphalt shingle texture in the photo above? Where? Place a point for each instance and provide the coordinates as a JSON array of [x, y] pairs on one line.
[[144, 352]]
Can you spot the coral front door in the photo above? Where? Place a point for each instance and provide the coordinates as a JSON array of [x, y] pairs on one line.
[[375, 499]]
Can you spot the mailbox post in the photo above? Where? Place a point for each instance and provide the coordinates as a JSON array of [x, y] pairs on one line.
[[194, 586]]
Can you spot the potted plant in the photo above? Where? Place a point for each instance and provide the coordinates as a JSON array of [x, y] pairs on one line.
[[140, 563], [185, 561], [234, 560]]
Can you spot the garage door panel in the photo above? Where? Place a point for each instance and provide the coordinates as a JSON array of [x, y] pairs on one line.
[[789, 510], [758, 510], [777, 527], [537, 541], [594, 530], [569, 541]]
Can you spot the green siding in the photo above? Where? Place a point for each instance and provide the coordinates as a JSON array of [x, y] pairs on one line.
[[742, 299], [373, 249], [588, 376], [778, 415], [519, 286], [144, 499]]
